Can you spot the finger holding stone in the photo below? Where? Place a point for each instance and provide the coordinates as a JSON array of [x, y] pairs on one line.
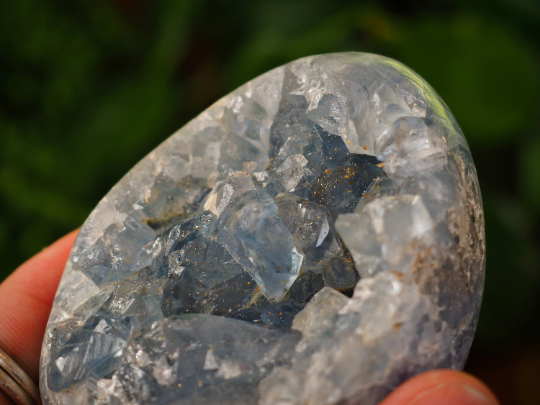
[[442, 387], [25, 298]]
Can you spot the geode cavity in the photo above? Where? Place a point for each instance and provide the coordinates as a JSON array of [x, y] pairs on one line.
[[315, 237]]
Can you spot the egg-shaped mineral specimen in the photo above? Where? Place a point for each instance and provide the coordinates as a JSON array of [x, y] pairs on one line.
[[315, 237]]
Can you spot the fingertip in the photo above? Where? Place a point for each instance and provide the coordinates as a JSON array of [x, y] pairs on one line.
[[444, 387]]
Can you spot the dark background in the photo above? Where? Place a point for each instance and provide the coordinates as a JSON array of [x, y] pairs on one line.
[[89, 87]]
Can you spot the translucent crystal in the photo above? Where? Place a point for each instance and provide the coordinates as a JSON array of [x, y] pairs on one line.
[[93, 351], [389, 227], [255, 236], [316, 236], [202, 359]]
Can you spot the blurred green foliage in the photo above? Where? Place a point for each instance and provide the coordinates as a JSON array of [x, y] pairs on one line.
[[87, 88]]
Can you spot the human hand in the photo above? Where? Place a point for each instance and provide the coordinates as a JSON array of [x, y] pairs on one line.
[[26, 298], [442, 387], [27, 295]]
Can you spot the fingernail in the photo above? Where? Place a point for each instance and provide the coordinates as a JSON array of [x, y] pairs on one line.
[[451, 394]]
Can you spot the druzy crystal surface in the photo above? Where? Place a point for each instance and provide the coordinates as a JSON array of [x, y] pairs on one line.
[[315, 237]]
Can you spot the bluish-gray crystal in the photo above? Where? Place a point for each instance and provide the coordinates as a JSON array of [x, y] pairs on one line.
[[201, 359], [252, 231], [93, 351], [316, 236]]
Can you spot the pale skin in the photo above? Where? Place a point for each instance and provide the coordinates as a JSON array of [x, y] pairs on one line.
[[26, 298]]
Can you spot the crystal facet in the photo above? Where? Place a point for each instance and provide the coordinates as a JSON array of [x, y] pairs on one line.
[[316, 236]]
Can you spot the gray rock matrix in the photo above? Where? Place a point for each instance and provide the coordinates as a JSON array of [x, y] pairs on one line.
[[315, 237]]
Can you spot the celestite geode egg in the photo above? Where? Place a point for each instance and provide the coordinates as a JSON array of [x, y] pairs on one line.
[[315, 237]]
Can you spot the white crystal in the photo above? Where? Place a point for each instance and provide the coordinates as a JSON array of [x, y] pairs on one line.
[[228, 370], [210, 362], [163, 373], [292, 171], [382, 234]]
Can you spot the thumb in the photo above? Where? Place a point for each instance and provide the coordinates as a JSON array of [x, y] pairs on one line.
[[442, 387]]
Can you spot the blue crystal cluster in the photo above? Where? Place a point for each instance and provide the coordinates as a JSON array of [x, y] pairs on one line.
[[314, 237]]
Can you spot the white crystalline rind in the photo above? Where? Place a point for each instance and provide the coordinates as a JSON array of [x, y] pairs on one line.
[[76, 288], [175, 167]]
